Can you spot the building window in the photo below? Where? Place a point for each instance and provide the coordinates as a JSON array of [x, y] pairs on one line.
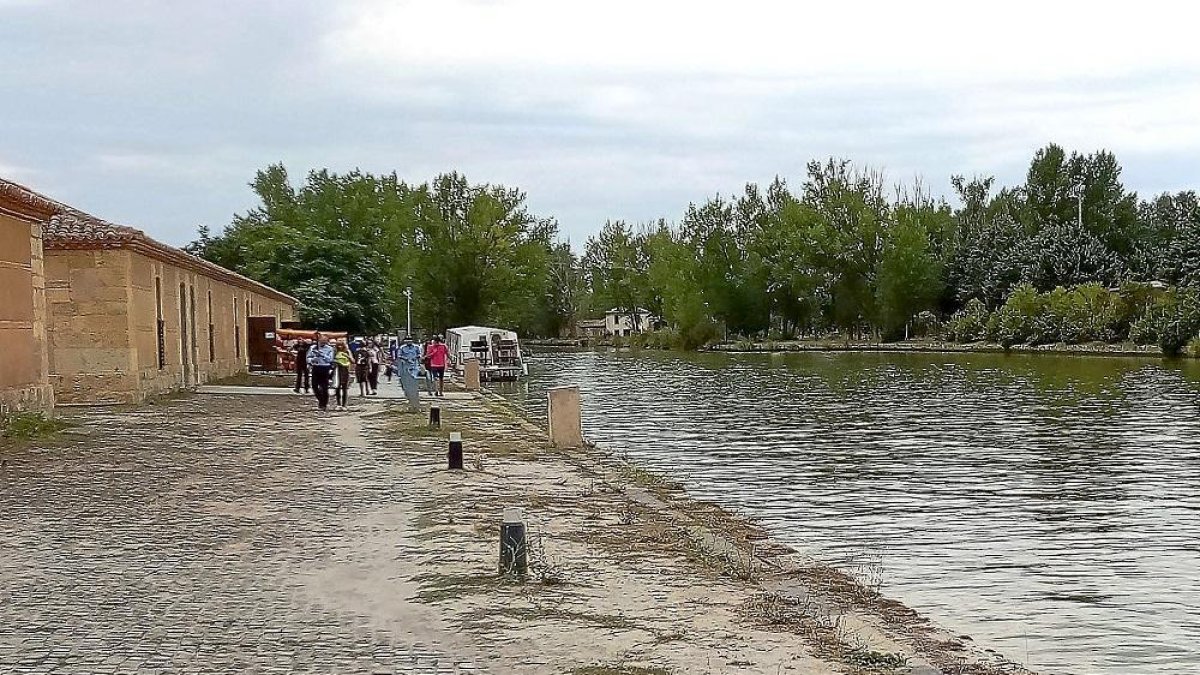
[[237, 331], [160, 325], [212, 344]]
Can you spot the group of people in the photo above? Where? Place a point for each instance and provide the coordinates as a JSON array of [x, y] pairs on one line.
[[320, 363]]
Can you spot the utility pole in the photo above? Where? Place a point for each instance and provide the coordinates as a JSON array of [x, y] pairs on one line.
[[408, 295], [1079, 204]]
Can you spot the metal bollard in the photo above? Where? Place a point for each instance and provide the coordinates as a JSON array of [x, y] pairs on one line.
[[456, 451], [435, 417], [514, 558]]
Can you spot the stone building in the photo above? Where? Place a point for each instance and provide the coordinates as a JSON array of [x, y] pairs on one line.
[[24, 359], [127, 317]]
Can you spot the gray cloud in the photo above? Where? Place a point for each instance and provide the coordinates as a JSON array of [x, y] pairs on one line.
[[157, 115]]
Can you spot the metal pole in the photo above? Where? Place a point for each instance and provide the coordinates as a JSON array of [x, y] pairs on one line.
[[408, 294]]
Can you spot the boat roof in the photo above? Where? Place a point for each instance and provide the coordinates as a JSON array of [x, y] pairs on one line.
[[466, 331]]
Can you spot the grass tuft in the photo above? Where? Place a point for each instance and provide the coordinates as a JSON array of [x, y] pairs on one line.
[[28, 426]]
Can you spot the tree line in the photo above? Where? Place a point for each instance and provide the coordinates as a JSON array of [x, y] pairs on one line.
[[842, 253]]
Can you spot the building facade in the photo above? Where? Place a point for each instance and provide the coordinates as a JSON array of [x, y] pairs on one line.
[[619, 322], [24, 358], [132, 318], [94, 312]]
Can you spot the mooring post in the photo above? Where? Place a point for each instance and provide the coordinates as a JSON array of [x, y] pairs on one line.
[[435, 417], [566, 426], [456, 450], [471, 375], [514, 557]]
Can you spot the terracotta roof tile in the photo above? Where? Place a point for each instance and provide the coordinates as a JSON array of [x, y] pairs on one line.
[[67, 228]]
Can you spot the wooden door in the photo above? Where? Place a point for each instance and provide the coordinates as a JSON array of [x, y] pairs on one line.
[[260, 337]]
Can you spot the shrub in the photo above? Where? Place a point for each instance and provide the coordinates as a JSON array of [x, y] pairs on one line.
[[697, 334], [1172, 321], [1193, 348], [968, 324], [1020, 319]]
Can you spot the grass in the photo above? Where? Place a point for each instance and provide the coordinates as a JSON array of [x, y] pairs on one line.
[[441, 587], [29, 426], [869, 658], [618, 669], [560, 614]]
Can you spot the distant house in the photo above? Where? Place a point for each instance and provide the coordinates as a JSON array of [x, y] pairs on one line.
[[620, 322]]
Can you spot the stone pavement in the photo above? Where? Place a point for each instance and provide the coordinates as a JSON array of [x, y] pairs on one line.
[[185, 536]]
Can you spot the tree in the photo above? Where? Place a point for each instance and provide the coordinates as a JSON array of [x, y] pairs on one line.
[[910, 274]]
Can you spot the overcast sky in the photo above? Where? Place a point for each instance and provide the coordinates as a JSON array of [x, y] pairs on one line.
[[157, 114]]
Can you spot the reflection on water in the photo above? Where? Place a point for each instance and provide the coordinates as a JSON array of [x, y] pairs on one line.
[[1047, 506]]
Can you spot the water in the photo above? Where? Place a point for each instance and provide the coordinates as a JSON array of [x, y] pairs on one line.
[[1047, 506]]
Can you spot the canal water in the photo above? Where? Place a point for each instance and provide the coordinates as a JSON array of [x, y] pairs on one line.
[[1047, 506]]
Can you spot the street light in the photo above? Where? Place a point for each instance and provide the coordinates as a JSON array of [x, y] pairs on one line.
[[408, 295]]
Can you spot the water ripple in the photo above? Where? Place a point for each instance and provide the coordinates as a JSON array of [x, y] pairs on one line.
[[1046, 506]]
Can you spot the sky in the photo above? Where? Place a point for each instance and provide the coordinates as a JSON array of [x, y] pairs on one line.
[[156, 114]]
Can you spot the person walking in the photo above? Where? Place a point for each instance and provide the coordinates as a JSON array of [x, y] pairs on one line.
[[438, 356], [362, 369], [342, 360], [408, 366], [320, 362], [376, 353], [300, 349], [425, 364]]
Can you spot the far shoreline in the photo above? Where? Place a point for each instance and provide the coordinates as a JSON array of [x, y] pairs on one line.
[[1101, 349]]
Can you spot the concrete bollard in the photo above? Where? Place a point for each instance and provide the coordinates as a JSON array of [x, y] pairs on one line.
[[455, 456], [435, 417], [514, 553], [566, 427], [471, 375]]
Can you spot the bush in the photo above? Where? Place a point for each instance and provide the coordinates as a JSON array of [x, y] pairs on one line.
[[926, 324], [968, 324], [1172, 321], [1193, 348], [1020, 319], [697, 334], [659, 339], [1084, 313]]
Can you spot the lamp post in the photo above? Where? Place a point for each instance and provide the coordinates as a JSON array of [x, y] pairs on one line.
[[408, 295]]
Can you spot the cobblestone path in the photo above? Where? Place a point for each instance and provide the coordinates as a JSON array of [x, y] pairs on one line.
[[187, 537]]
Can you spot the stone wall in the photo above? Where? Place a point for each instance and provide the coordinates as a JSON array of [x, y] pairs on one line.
[[88, 293], [106, 309], [24, 384]]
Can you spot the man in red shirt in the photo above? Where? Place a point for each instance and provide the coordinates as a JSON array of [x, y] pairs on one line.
[[437, 356]]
